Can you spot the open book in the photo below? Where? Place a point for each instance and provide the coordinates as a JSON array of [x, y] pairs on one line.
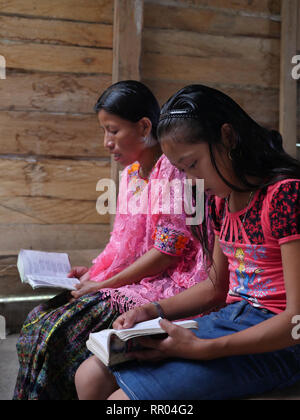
[[113, 346], [45, 269]]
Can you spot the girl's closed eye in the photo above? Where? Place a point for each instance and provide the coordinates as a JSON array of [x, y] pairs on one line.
[[193, 165]]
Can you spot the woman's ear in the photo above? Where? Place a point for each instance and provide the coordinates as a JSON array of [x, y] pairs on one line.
[[228, 136], [146, 126]]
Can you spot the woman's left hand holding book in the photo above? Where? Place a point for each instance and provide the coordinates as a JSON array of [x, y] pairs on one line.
[[84, 287]]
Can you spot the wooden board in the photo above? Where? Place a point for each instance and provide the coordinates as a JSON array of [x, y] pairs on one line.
[[210, 59], [209, 21], [127, 46], [48, 92], [44, 210], [36, 133], [56, 32], [87, 10], [288, 86], [52, 178], [51, 237], [56, 58], [265, 7]]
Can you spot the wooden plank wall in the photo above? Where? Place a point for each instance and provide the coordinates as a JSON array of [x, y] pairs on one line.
[[232, 45], [59, 59]]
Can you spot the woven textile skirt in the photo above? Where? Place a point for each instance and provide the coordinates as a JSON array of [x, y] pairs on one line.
[[52, 345]]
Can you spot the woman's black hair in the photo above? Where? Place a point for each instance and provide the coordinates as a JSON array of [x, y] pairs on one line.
[[197, 113], [132, 101]]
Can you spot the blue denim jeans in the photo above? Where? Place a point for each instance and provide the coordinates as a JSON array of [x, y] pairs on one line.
[[219, 379]]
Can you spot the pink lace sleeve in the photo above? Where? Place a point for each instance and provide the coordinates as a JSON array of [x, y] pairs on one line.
[[171, 235]]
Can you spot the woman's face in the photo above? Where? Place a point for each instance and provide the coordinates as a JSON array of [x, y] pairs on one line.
[[195, 161], [122, 138]]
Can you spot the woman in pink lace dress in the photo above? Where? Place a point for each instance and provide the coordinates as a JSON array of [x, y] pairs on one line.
[[152, 253]]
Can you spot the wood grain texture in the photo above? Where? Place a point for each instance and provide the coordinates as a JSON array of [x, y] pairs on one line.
[[288, 86], [265, 7], [56, 32], [56, 58], [51, 237], [87, 10], [47, 92], [37, 133], [210, 59], [209, 21], [45, 210], [52, 178]]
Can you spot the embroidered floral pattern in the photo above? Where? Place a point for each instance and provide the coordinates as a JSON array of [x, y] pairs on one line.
[[136, 184], [169, 240]]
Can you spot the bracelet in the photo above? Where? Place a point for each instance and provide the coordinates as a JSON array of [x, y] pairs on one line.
[[159, 310]]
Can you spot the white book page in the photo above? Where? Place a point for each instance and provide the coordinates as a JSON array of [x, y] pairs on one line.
[[142, 328], [47, 281], [45, 263]]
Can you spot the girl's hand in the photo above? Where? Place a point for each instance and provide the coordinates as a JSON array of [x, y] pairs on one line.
[[181, 342], [78, 272], [85, 287], [132, 317]]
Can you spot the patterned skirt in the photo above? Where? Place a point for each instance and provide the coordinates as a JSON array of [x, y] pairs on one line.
[[52, 345]]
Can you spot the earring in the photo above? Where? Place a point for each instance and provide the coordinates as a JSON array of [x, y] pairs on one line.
[[229, 155]]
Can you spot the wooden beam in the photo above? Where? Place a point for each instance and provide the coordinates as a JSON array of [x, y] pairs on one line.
[[127, 43], [288, 86], [127, 49]]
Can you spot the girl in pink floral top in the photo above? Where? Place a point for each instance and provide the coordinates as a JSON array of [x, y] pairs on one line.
[[252, 344]]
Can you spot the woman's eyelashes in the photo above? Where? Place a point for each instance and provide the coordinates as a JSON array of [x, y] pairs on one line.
[[193, 166]]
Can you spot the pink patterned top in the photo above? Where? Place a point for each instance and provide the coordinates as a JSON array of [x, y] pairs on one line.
[[137, 229], [252, 246]]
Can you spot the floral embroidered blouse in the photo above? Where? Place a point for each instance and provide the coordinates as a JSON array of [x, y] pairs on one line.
[[138, 228], [253, 246]]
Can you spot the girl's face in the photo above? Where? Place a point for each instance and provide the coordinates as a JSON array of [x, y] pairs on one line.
[[195, 161], [123, 138]]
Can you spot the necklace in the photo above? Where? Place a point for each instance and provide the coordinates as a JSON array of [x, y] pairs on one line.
[[246, 212], [141, 169]]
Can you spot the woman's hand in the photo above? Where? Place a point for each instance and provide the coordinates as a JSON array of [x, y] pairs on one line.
[[79, 273], [85, 287], [132, 317], [181, 342]]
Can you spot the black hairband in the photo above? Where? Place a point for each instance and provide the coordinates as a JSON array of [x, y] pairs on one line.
[[178, 113]]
